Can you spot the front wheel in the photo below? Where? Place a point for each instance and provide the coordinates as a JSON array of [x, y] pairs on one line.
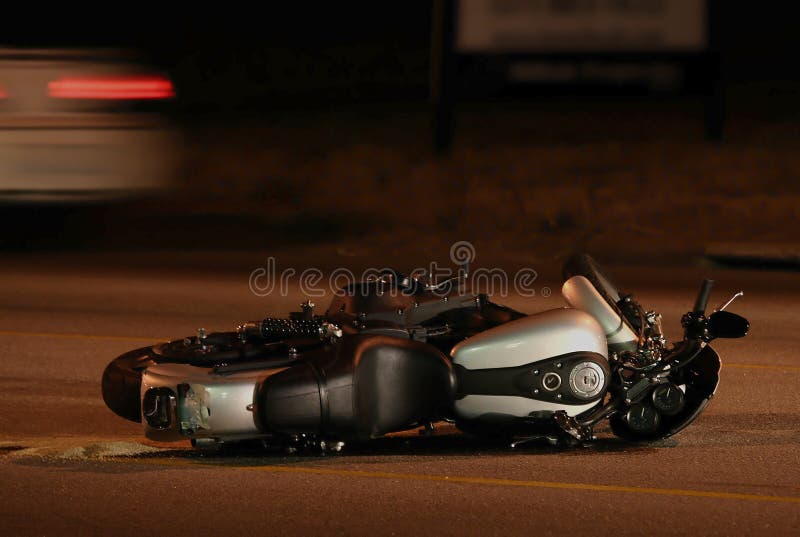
[[698, 381]]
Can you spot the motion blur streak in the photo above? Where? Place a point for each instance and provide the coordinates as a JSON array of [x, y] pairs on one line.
[[495, 481], [153, 87]]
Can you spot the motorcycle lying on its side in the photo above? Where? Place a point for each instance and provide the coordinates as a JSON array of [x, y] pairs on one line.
[[398, 352]]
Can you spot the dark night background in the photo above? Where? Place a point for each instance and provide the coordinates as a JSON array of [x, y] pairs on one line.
[[316, 117], [351, 52]]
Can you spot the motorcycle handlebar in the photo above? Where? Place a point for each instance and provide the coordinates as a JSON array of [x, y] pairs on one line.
[[702, 297]]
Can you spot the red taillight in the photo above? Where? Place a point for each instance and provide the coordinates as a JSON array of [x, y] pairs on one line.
[[150, 87], [3, 94]]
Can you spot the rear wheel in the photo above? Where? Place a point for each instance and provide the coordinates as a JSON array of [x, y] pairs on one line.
[[122, 380], [224, 351]]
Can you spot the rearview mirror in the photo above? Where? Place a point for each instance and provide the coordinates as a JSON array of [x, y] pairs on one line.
[[725, 324]]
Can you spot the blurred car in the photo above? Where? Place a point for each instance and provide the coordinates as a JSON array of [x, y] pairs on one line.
[[82, 126]]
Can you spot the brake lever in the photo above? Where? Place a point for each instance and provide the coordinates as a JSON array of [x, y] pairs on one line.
[[730, 300]]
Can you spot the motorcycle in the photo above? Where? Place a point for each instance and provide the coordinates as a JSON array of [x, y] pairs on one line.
[[400, 352]]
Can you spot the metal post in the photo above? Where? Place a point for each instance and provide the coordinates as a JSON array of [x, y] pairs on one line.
[[443, 73]]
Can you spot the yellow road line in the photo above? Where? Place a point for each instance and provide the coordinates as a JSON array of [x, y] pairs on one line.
[[761, 366], [489, 481], [78, 336]]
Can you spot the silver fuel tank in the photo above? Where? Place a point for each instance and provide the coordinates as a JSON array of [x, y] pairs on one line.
[[554, 360]]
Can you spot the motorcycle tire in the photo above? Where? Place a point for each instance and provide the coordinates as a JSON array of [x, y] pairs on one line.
[[122, 380]]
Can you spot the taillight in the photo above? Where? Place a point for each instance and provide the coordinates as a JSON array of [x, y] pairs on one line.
[[103, 88], [3, 93]]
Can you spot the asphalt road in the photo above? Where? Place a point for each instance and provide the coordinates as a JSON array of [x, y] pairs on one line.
[[70, 466]]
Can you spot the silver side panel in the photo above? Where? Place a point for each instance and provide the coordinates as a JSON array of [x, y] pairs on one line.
[[474, 406], [217, 406], [532, 338], [581, 294]]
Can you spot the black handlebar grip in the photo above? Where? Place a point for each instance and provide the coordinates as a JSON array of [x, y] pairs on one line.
[[702, 297]]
